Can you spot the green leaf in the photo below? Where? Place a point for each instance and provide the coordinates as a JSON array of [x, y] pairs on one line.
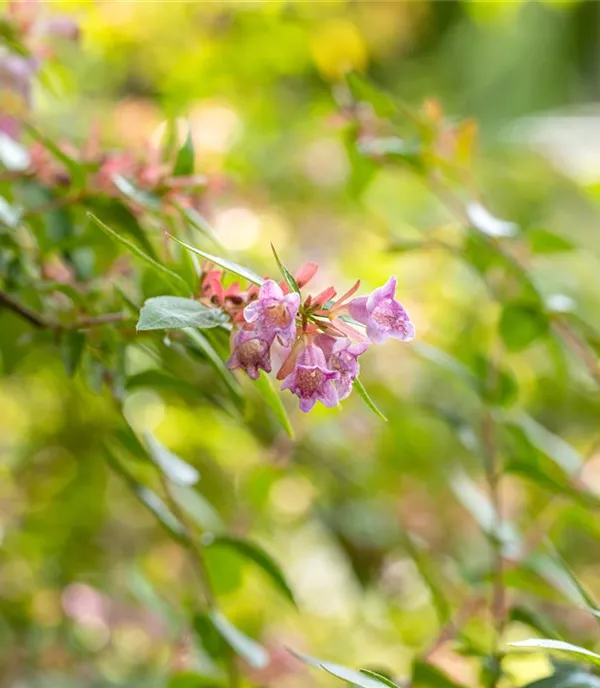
[[363, 90], [357, 678], [9, 214], [290, 280], [542, 241], [171, 277], [255, 654], [174, 312], [445, 361], [521, 324], [197, 507], [130, 191], [222, 262], [202, 344], [184, 164], [198, 221], [558, 646], [255, 553], [13, 156], [575, 677], [379, 677], [359, 387], [272, 398], [175, 469], [425, 675], [156, 505], [75, 168], [210, 638], [72, 345]]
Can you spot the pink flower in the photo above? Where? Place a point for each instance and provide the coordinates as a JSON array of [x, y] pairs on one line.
[[274, 313], [383, 316], [311, 380], [342, 356], [251, 351]]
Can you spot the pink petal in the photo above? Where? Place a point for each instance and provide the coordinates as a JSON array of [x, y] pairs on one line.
[[386, 292], [358, 309], [252, 311], [305, 273], [270, 290]]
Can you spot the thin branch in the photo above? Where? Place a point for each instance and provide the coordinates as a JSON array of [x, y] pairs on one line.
[[31, 316]]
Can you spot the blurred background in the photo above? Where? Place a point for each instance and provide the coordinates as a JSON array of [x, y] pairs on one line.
[[93, 592]]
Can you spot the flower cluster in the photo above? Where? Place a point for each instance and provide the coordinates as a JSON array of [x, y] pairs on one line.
[[316, 341]]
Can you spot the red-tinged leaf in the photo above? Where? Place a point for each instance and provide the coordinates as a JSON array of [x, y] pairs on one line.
[[325, 296]]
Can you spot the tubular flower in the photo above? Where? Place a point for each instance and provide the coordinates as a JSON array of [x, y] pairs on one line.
[[383, 316], [274, 313], [251, 351], [311, 380], [343, 358]]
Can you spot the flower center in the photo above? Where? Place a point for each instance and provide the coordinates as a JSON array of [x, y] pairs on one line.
[[277, 315], [385, 315], [308, 381]]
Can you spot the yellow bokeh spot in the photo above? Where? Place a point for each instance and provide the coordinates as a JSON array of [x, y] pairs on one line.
[[337, 48]]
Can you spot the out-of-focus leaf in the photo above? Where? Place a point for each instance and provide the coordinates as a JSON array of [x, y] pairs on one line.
[[197, 221], [485, 222], [521, 324], [75, 168], [13, 156], [72, 345], [359, 387], [531, 618], [542, 241], [198, 508], [358, 678], [228, 265], [576, 677], [184, 163], [9, 214], [393, 149], [445, 361], [379, 677], [173, 312], [156, 505], [143, 198], [202, 343], [172, 277], [362, 90], [174, 468], [563, 454], [272, 398], [425, 675], [560, 562], [113, 210], [210, 638], [479, 506], [250, 550], [254, 653], [558, 646], [287, 275], [190, 679]]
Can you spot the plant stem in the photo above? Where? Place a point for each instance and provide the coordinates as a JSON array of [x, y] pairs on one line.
[[25, 312]]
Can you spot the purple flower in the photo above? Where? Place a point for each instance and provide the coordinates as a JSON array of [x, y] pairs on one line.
[[311, 380], [343, 358], [251, 351], [274, 313], [382, 314]]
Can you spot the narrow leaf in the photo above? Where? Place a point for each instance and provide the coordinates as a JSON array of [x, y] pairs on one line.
[[269, 394], [197, 507], [74, 167], [257, 554], [358, 678], [255, 654], [184, 164], [560, 646], [290, 280], [12, 155], [174, 468], [485, 222], [173, 277], [222, 262], [143, 198], [174, 312], [359, 387]]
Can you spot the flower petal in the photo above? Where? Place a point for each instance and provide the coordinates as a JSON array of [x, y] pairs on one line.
[[358, 309], [388, 291]]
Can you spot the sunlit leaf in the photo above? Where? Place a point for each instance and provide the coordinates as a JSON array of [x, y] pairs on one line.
[[251, 550], [197, 507], [272, 398], [173, 312], [13, 156], [485, 222], [129, 190], [254, 653], [558, 646], [228, 265], [543, 241], [72, 345], [156, 505], [9, 214], [357, 678], [174, 468], [184, 164]]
